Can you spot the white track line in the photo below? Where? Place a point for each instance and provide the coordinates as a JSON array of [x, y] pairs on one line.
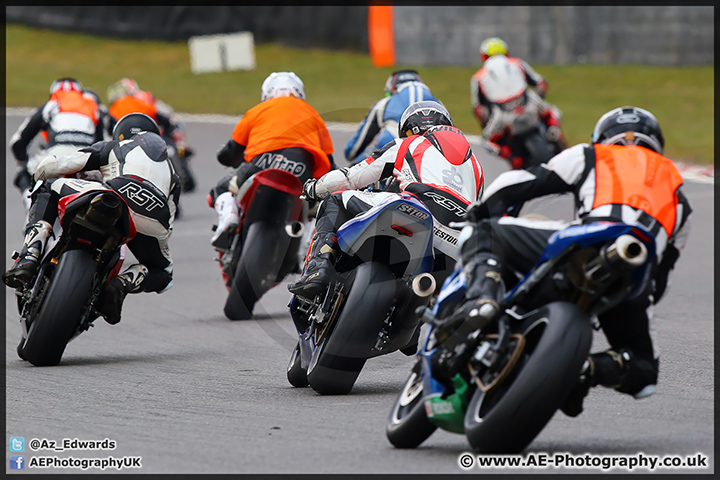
[[690, 172]]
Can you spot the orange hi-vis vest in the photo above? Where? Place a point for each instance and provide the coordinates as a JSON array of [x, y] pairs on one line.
[[640, 178], [75, 102], [132, 104], [285, 122], [70, 101]]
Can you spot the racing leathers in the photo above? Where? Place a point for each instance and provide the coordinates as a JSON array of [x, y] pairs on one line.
[[67, 121], [498, 132], [629, 184], [437, 166], [139, 170], [482, 106], [380, 124], [283, 132]]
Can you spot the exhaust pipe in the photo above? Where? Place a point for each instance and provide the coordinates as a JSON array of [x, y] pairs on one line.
[[625, 253], [295, 229], [627, 249], [423, 285]]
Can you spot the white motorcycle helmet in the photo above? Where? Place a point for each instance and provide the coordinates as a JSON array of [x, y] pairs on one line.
[[503, 81], [282, 84]]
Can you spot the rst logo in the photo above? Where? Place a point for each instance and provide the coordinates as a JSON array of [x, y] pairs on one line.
[[141, 196], [447, 203], [412, 211]]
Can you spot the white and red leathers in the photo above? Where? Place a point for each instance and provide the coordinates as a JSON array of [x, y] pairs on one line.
[[438, 166]]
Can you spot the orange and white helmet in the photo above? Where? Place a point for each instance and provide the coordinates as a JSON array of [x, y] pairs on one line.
[[282, 84]]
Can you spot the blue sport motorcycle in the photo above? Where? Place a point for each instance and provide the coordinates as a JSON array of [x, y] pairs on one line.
[[382, 277], [521, 367]]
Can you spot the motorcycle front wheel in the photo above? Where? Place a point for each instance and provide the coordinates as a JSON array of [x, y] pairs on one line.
[[408, 425], [296, 374]]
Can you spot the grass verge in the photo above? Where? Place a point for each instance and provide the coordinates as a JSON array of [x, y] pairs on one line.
[[342, 85]]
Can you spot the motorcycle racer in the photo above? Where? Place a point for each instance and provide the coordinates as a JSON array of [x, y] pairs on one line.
[[431, 159], [67, 121], [621, 177], [135, 164], [509, 96], [488, 48], [380, 124], [282, 131]]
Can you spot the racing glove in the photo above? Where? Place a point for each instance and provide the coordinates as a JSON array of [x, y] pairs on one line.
[[309, 189]]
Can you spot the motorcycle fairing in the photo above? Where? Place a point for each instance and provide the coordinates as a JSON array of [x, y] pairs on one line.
[[592, 234], [402, 217]]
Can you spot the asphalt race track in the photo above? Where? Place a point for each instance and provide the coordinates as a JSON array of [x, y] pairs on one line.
[[189, 391]]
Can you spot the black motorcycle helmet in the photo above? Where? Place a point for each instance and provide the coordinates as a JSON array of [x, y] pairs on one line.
[[398, 78], [420, 116], [132, 124], [629, 126]]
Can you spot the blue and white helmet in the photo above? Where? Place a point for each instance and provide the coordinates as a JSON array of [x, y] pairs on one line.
[[282, 84]]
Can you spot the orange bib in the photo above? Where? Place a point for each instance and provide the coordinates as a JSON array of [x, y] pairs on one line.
[[130, 104], [640, 178], [74, 102]]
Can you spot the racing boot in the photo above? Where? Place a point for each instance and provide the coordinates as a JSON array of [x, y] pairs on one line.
[[485, 289], [228, 220], [573, 405], [28, 259], [319, 268], [610, 369], [117, 288], [452, 334]]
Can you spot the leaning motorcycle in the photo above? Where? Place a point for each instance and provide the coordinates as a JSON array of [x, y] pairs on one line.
[[527, 136], [264, 248], [517, 370], [381, 277], [59, 303]]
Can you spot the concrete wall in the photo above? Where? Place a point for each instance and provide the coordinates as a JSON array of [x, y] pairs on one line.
[[340, 27], [451, 35], [424, 35]]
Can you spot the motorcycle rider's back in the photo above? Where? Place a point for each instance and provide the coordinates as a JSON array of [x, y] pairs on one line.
[[283, 131], [136, 166]]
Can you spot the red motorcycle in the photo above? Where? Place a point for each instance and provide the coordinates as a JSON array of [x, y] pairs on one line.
[[264, 248], [58, 304]]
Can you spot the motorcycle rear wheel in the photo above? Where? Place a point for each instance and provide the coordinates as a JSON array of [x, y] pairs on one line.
[[408, 425], [339, 358], [509, 416], [263, 251], [59, 316]]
